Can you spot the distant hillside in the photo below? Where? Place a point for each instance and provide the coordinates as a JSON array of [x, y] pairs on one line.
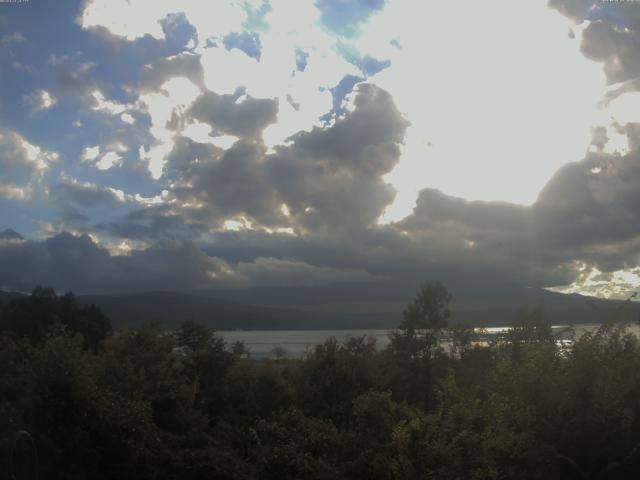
[[10, 234], [473, 303], [6, 296], [335, 307], [170, 308]]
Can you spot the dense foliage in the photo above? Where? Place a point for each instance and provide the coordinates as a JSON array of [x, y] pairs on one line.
[[152, 404]]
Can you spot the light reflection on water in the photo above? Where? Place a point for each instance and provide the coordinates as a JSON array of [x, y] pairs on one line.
[[295, 343]]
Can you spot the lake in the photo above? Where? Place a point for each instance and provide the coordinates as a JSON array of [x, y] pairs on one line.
[[295, 343]]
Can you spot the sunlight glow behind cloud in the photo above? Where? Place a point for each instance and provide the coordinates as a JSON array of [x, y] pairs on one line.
[[498, 94]]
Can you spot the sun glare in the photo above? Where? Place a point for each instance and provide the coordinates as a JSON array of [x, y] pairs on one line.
[[498, 110]]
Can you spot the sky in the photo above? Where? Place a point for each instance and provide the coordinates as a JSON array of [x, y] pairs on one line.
[[196, 145]]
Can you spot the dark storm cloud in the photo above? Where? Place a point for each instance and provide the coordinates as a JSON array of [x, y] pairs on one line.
[[73, 262], [616, 47], [245, 118], [153, 223], [632, 130], [169, 263], [366, 141], [227, 184], [476, 236], [74, 76], [74, 199], [586, 213], [382, 251], [153, 75], [63, 261], [593, 203], [332, 177], [88, 195], [185, 151], [67, 261], [275, 272], [329, 178], [612, 36]]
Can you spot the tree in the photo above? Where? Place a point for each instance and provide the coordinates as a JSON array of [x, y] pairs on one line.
[[206, 362], [529, 326], [423, 320], [414, 346], [462, 338], [34, 317], [195, 336]]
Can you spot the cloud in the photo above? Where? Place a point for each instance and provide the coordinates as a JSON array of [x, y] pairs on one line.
[[137, 19], [63, 259], [66, 261], [127, 118], [154, 75], [40, 100], [242, 117], [74, 199], [102, 104], [73, 76], [21, 163], [589, 206], [618, 48], [126, 19], [166, 109], [263, 144], [104, 160], [585, 216], [275, 272], [90, 153], [478, 124], [582, 221], [619, 284], [611, 36], [329, 178], [153, 223], [215, 186], [332, 177], [109, 160], [9, 39], [577, 10], [77, 262]]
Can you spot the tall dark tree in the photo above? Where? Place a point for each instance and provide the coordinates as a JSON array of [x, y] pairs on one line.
[[423, 320], [415, 345]]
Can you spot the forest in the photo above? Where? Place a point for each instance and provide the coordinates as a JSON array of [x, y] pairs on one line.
[[80, 400]]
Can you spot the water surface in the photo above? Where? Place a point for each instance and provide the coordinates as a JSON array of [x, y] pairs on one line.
[[295, 343]]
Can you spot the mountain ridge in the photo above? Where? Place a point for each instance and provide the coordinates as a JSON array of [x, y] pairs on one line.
[[231, 310]]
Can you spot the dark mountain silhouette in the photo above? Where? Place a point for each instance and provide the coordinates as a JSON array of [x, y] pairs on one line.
[[171, 308], [10, 234], [343, 307], [488, 304], [7, 296]]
